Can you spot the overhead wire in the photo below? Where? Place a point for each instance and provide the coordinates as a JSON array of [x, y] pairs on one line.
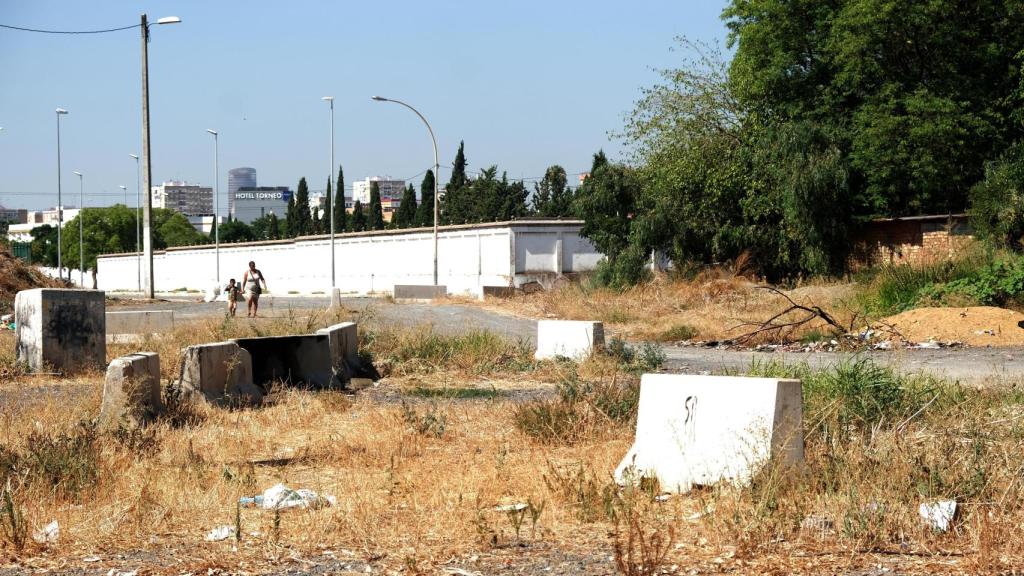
[[37, 30]]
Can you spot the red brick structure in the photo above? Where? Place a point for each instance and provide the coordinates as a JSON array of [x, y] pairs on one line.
[[911, 240]]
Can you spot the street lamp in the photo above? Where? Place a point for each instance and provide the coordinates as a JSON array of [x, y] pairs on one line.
[[216, 203], [138, 222], [436, 175], [60, 206], [330, 176], [148, 212], [81, 229]]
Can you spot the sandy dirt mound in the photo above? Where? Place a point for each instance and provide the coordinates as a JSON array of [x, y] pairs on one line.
[[16, 276], [974, 326]]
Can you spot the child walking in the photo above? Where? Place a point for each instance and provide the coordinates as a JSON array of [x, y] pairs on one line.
[[233, 291]]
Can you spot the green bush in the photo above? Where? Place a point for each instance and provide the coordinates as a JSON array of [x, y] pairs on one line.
[[580, 411], [994, 285], [898, 288]]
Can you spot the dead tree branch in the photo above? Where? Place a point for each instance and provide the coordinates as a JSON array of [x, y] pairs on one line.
[[778, 327]]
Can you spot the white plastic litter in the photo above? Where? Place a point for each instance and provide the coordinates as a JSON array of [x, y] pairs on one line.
[[939, 515], [212, 293], [281, 497], [220, 533], [511, 507], [48, 534]]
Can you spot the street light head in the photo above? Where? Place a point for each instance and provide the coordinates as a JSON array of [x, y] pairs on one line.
[[134, 156], [379, 98], [77, 172], [211, 131], [122, 187], [328, 98], [169, 20], [61, 111]]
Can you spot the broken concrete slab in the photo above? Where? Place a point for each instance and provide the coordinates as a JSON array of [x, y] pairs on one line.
[[701, 430], [220, 372], [302, 361], [140, 322], [574, 339], [131, 392], [418, 292], [60, 329], [343, 340]]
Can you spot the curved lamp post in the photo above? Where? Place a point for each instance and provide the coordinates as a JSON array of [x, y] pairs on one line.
[[436, 175]]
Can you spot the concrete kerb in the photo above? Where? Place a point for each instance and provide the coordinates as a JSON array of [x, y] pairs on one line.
[[575, 339], [343, 340], [418, 292], [220, 373], [140, 322], [701, 430], [61, 329], [131, 392]]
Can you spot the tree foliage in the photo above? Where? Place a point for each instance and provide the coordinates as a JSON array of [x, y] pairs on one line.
[[302, 224], [405, 216], [551, 196], [425, 210], [375, 219], [358, 222]]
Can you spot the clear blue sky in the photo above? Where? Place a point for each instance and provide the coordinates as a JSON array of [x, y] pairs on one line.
[[526, 84]]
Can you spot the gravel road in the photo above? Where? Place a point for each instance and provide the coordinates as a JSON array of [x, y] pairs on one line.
[[965, 364]]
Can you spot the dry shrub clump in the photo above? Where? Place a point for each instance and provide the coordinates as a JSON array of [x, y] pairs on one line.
[[714, 305]]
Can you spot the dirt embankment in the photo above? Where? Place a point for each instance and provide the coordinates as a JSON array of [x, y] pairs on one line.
[[15, 276], [974, 326]]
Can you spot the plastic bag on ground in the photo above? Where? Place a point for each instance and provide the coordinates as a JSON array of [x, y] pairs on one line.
[[220, 533], [281, 497], [939, 515], [48, 534]]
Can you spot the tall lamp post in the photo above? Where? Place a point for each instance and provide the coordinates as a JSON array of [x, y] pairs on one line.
[[330, 177], [436, 166], [81, 230], [138, 222], [147, 239], [60, 205], [216, 203]]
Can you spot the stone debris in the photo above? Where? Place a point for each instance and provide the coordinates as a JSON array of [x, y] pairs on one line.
[[575, 339]]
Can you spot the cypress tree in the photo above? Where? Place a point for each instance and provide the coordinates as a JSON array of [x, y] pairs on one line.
[[326, 224], [317, 226], [358, 217], [425, 210], [458, 204], [376, 216], [303, 218], [340, 216], [290, 226], [405, 216]]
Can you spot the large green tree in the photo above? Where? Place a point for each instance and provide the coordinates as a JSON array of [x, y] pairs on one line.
[[458, 204], [340, 215], [358, 221], [551, 196], [237, 231]]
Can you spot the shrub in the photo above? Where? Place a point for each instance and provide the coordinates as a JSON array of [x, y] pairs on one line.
[[68, 461], [582, 410], [677, 333]]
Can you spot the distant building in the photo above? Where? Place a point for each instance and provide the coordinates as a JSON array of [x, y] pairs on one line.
[[188, 199], [22, 231], [391, 192], [239, 178], [13, 215], [252, 203]]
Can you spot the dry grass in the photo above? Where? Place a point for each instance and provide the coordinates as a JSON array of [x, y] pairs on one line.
[[710, 307], [417, 475]]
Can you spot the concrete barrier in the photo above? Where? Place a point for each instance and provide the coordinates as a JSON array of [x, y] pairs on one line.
[[574, 339], [700, 430], [303, 361], [419, 292], [131, 392], [60, 329], [140, 322], [220, 373]]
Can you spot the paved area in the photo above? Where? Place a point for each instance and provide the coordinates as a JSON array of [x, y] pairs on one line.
[[966, 364]]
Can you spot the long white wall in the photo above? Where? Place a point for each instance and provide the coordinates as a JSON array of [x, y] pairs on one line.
[[469, 258]]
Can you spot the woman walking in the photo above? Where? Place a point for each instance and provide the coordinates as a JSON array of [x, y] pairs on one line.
[[251, 284]]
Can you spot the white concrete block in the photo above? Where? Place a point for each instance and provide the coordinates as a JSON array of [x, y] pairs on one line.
[[60, 329], [131, 392], [574, 339], [140, 322], [700, 430]]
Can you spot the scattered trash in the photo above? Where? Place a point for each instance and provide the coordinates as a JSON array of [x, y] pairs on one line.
[[220, 533], [7, 318], [91, 559], [48, 534], [817, 523], [939, 514], [281, 497], [212, 293], [985, 332], [511, 507], [929, 345], [883, 345], [116, 572]]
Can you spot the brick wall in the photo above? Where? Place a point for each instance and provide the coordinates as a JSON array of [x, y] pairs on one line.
[[918, 241]]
